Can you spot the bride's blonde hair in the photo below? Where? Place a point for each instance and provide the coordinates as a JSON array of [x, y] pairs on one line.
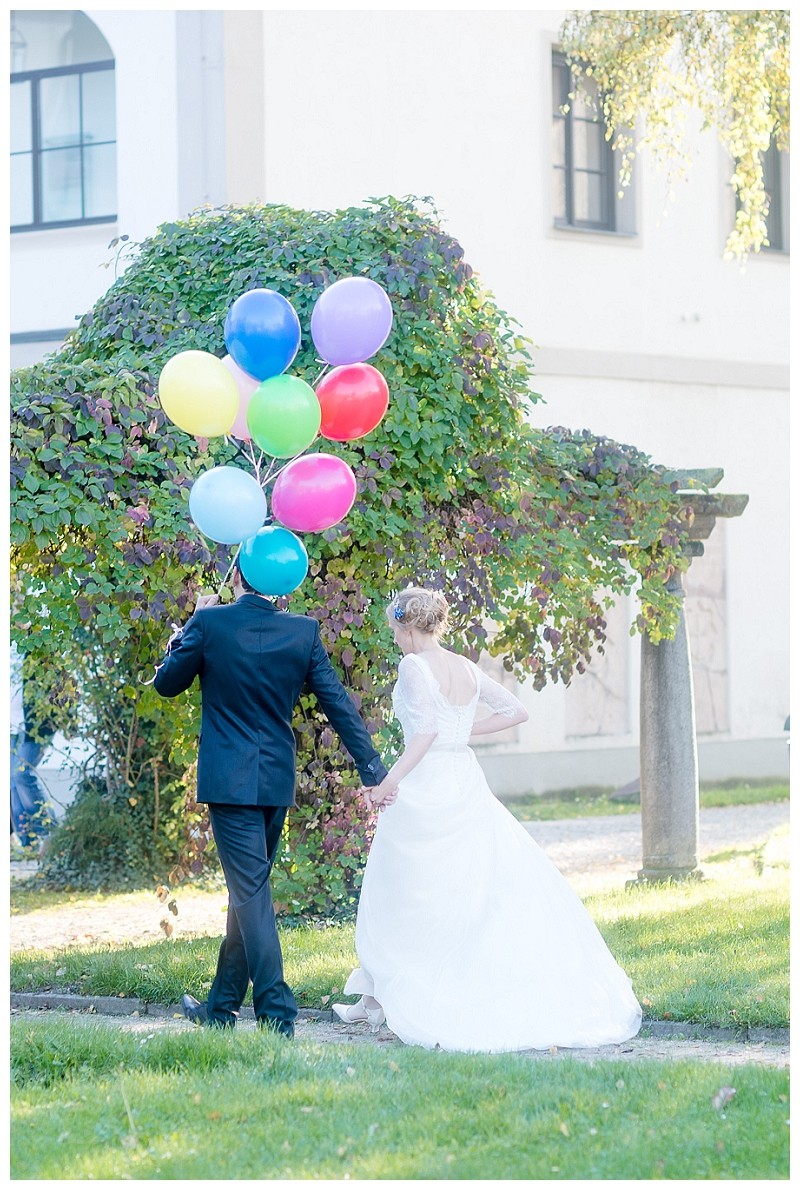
[[417, 607]]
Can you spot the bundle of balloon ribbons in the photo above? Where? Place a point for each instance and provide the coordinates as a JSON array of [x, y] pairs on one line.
[[248, 396]]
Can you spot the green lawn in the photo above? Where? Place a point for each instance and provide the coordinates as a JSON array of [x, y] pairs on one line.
[[714, 951], [91, 1102], [587, 803]]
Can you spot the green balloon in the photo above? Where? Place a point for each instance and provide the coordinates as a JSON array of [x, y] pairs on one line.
[[283, 416]]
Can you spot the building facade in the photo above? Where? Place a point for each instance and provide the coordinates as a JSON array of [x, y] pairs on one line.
[[122, 121]]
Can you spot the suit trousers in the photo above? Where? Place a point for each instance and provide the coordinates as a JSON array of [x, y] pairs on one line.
[[247, 840]]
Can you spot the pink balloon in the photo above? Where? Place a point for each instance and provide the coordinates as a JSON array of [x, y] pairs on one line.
[[314, 493], [246, 385]]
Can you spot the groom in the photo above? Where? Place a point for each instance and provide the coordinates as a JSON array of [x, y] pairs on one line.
[[253, 662]]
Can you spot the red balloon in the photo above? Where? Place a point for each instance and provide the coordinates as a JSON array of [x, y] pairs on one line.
[[354, 398]]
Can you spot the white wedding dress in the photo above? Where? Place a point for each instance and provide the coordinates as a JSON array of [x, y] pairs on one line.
[[467, 935]]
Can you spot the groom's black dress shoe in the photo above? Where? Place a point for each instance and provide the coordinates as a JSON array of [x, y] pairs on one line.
[[283, 1028], [193, 1010], [197, 1013]]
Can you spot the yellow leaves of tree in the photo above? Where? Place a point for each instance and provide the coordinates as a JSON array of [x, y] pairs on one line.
[[654, 66]]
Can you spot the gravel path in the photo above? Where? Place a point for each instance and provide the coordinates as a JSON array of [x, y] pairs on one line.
[[593, 853], [600, 852]]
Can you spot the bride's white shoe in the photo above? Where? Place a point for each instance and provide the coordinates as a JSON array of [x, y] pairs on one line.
[[351, 1013]]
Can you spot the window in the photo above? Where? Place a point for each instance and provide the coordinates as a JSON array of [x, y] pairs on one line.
[[584, 165], [63, 122], [776, 184]]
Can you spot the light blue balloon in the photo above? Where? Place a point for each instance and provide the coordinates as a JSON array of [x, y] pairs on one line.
[[274, 560], [227, 505]]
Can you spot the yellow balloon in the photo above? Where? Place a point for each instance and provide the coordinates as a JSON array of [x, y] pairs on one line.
[[199, 394]]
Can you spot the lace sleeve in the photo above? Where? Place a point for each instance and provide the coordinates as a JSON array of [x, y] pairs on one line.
[[414, 689], [497, 698]]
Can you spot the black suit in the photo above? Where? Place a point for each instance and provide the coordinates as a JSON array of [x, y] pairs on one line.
[[253, 663]]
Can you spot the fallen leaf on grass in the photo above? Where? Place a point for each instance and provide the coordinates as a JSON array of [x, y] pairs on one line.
[[553, 1049], [563, 1128], [722, 1097], [646, 1003]]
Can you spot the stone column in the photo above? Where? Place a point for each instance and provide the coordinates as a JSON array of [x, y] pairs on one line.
[[668, 757]]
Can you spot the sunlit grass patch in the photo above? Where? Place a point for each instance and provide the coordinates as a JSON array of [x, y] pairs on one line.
[[92, 1103]]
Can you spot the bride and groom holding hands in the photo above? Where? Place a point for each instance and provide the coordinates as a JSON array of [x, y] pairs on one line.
[[468, 938]]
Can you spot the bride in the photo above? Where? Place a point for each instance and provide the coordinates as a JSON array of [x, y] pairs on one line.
[[468, 938]]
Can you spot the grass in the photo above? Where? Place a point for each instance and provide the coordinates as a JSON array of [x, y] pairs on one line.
[[711, 952], [91, 1102], [589, 802]]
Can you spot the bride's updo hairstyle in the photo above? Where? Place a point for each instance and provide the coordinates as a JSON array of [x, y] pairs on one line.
[[420, 609]]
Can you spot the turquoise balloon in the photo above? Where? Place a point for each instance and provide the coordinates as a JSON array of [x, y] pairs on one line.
[[274, 561]]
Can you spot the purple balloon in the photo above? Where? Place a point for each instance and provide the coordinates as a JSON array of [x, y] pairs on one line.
[[351, 320]]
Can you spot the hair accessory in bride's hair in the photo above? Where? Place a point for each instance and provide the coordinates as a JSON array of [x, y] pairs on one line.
[[399, 612]]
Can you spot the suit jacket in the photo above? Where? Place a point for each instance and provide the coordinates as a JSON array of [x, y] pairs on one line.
[[253, 662]]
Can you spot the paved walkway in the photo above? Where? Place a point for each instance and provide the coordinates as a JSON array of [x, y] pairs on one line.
[[593, 853]]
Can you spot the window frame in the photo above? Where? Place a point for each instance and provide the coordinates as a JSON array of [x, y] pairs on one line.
[[36, 150], [569, 223]]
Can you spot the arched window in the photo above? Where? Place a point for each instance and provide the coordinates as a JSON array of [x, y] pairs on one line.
[[63, 121]]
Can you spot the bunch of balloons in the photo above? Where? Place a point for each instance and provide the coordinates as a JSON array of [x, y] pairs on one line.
[[249, 396]]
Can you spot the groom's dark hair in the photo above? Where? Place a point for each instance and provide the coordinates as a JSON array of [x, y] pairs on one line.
[[249, 588]]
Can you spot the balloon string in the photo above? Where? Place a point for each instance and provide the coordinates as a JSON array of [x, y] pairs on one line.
[[224, 582], [270, 477], [256, 465], [322, 373]]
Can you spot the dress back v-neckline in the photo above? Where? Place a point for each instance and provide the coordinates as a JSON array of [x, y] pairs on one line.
[[455, 706]]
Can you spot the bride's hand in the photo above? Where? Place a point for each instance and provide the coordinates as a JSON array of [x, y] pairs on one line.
[[384, 795], [379, 796]]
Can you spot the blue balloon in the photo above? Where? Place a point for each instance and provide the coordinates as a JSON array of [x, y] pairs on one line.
[[227, 504], [274, 561], [262, 333]]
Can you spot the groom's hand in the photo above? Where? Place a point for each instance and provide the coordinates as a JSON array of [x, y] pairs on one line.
[[206, 601]]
